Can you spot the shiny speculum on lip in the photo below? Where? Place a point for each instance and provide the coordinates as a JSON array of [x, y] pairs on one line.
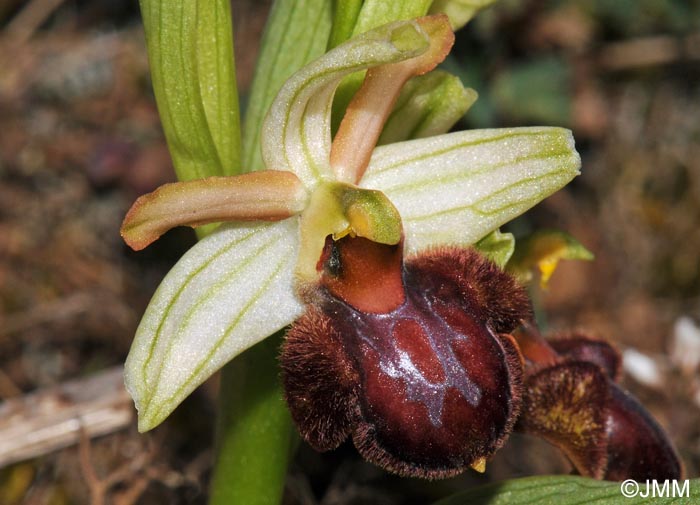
[[427, 387]]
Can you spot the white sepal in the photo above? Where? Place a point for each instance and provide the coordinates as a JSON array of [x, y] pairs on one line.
[[231, 290], [456, 188]]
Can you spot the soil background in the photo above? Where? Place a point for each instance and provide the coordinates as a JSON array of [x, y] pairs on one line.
[[80, 139]]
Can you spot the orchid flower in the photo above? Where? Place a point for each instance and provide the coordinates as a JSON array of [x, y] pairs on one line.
[[245, 281], [573, 400]]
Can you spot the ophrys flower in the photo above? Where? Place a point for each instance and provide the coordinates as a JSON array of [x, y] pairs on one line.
[[573, 400], [239, 285]]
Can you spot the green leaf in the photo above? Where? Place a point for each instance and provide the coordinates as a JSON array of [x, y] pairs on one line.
[[567, 490], [231, 290], [497, 247], [190, 48], [296, 33], [429, 105], [344, 20], [460, 12], [216, 73], [458, 187]]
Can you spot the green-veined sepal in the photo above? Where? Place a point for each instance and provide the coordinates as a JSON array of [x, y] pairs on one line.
[[231, 290], [457, 188]]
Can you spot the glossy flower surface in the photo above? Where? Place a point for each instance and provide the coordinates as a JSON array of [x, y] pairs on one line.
[[247, 279], [416, 364]]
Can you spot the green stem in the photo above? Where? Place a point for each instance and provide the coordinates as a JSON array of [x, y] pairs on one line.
[[254, 431]]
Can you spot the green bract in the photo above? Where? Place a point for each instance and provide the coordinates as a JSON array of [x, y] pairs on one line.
[[239, 284]]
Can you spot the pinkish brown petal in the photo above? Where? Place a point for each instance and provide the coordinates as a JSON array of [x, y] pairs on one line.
[[268, 195], [535, 349], [367, 112]]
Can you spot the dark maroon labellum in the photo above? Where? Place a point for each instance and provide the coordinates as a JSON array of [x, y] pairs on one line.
[[413, 361]]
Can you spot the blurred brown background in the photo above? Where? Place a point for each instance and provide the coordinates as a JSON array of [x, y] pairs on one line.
[[80, 140]]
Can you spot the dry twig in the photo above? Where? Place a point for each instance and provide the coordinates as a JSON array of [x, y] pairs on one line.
[[51, 419]]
